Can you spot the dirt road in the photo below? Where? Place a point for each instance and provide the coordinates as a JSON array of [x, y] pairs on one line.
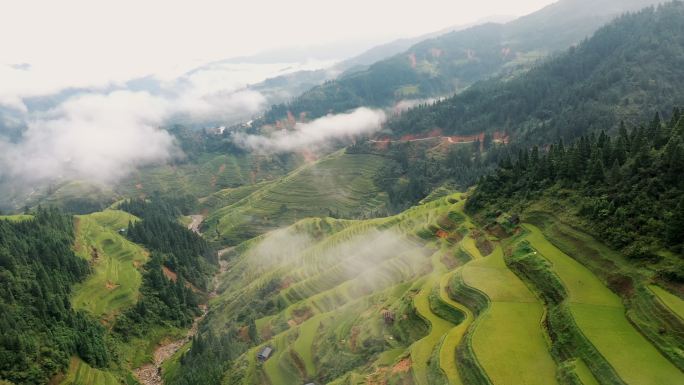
[[151, 374]]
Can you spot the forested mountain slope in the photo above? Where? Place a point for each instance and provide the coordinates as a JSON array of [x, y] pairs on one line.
[[449, 63], [628, 67]]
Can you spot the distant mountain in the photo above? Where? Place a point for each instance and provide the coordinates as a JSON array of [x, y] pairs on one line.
[[451, 62], [282, 88], [627, 68]]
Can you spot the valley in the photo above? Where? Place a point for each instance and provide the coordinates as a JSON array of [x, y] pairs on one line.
[[502, 204]]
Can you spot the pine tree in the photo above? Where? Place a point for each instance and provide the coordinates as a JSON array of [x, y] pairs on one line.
[[675, 225], [615, 176]]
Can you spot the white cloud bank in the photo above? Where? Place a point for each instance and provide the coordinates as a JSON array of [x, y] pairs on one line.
[[320, 132], [109, 128], [99, 137]]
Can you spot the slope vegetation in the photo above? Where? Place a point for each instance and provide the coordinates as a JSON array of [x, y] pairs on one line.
[[618, 74], [115, 261], [339, 185], [453, 61]]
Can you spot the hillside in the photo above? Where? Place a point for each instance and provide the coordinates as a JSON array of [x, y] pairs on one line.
[[340, 185], [452, 62], [526, 230], [210, 163], [629, 67], [429, 297]]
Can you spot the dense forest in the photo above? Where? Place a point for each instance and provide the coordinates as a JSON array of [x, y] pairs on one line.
[[630, 66], [39, 330], [167, 297], [628, 188]]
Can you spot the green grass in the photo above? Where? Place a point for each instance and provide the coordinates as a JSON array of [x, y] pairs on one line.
[[81, 373], [670, 300], [508, 340], [600, 315], [115, 280]]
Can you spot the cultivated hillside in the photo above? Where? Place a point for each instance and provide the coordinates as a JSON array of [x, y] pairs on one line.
[[430, 297], [340, 185]]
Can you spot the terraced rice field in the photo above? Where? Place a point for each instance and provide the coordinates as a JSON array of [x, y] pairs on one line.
[[444, 334], [338, 282], [116, 279], [447, 354], [209, 173], [421, 351], [81, 373], [340, 184], [670, 300], [600, 315], [508, 340], [304, 344], [279, 368]]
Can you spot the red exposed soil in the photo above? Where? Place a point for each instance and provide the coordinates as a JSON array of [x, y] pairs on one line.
[[402, 366], [169, 274]]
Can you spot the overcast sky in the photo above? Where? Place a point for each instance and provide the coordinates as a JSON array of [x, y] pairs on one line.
[[87, 39]]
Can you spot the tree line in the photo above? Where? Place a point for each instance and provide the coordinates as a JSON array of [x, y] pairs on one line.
[[39, 330], [628, 188], [179, 260]]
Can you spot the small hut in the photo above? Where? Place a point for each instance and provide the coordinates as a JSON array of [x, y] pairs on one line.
[[265, 353]]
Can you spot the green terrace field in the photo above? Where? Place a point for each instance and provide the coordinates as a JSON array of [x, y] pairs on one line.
[[82, 374], [115, 260], [334, 281], [209, 173], [508, 340], [674, 303], [424, 297], [600, 315], [339, 185], [335, 278]]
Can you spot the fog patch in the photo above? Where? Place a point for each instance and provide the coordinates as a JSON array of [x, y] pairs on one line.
[[315, 134], [97, 137]]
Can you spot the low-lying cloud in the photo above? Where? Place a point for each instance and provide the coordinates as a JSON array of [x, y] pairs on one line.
[[317, 133], [99, 137], [102, 136], [102, 130]]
